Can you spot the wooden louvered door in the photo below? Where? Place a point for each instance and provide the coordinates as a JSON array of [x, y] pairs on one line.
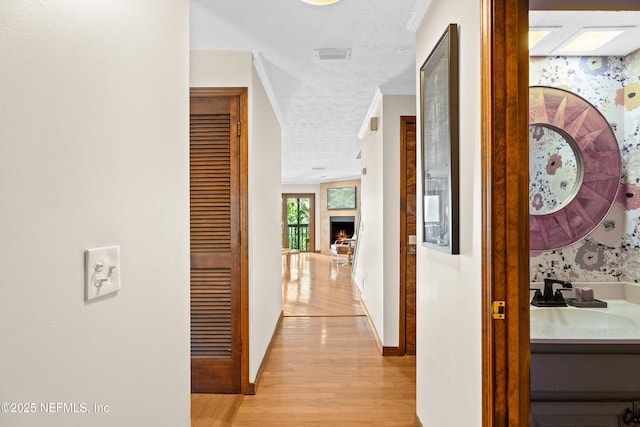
[[215, 243]]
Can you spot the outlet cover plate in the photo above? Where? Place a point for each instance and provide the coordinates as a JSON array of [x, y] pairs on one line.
[[102, 272]]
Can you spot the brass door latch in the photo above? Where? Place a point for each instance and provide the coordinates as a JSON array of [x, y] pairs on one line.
[[498, 310]]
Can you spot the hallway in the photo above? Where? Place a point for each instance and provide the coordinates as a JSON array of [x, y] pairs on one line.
[[325, 368]]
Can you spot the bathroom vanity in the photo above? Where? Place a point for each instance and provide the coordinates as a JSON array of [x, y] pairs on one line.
[[585, 362]]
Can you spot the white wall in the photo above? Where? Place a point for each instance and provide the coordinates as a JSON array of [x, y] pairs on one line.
[[368, 266], [93, 152], [220, 69], [449, 300], [265, 216], [308, 188], [393, 108], [235, 69], [377, 271]]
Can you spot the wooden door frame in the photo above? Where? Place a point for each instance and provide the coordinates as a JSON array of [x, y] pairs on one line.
[[242, 93], [312, 222], [404, 244], [505, 233], [246, 386]]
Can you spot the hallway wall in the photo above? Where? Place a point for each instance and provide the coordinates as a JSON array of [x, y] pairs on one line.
[[94, 152], [377, 270], [235, 69], [449, 299]]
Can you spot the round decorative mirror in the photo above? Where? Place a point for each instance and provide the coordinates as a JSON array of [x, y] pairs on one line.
[[555, 169], [574, 168]]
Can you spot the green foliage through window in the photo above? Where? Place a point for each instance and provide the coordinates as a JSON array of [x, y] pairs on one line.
[[298, 221]]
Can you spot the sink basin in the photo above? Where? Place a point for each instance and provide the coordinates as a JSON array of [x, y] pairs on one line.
[[580, 317]]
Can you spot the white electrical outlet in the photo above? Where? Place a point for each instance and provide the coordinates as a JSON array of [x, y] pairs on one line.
[[102, 272]]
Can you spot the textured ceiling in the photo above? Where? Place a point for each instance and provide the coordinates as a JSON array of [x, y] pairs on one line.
[[322, 105]]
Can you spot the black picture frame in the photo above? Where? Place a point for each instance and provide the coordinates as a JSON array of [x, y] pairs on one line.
[[339, 198], [440, 145]]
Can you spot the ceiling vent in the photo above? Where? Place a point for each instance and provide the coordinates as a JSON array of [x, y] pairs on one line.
[[333, 54]]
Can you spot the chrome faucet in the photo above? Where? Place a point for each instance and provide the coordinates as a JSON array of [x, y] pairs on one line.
[[549, 298]]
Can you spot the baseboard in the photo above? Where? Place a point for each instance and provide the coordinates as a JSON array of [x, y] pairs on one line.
[[391, 351], [417, 422], [372, 327], [385, 351], [253, 387]]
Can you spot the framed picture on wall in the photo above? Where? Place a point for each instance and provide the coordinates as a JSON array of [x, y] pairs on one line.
[[440, 152], [341, 198]]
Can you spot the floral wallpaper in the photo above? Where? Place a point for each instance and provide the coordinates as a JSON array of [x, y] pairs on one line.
[[612, 252], [553, 170]]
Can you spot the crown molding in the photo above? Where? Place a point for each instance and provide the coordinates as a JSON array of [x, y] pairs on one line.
[[258, 63], [364, 129], [417, 15]]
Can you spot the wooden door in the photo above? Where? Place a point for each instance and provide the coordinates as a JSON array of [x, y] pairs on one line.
[[408, 181], [215, 242], [505, 246]]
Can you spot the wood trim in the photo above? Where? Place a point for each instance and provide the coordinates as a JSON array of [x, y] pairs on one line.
[[372, 327], [384, 350], [210, 260], [244, 235], [392, 351], [417, 422], [217, 91], [253, 387], [284, 236], [402, 336], [504, 133]]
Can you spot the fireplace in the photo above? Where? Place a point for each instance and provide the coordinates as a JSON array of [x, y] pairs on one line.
[[341, 227]]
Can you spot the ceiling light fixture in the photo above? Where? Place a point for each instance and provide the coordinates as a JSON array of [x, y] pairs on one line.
[[590, 39], [539, 33], [536, 36], [321, 2]]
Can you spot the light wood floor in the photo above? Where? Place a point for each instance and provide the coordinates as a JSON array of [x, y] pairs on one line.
[[316, 285], [325, 368]]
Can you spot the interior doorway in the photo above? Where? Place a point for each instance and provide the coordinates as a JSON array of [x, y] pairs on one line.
[[218, 260], [408, 180], [298, 222]]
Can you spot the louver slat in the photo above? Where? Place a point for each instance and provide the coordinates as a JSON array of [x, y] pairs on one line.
[[211, 313], [210, 183], [211, 211]]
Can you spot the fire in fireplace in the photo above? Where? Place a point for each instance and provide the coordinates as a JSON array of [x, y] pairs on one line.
[[341, 227]]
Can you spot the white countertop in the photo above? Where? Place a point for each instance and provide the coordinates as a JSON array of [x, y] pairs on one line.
[[623, 300]]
